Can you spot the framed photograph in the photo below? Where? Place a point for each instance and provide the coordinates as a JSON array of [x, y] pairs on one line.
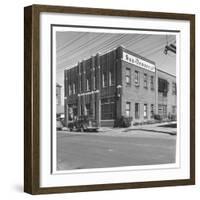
[[109, 99]]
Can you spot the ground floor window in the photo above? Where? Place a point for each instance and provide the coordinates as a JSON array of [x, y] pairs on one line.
[[87, 109], [173, 110], [152, 111], [162, 110], [145, 110], [137, 112], [107, 109], [72, 111], [128, 109]]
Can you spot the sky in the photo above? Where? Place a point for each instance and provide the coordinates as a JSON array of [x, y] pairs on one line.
[[72, 47]]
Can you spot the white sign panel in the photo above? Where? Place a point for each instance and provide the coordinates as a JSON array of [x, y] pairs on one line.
[[138, 62]]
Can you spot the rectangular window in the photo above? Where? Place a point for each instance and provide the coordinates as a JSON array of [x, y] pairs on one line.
[[94, 82], [165, 110], [152, 111], [70, 90], [137, 111], [104, 80], [162, 110], [111, 78], [152, 83], [87, 109], [145, 110], [74, 88], [137, 77], [128, 109], [128, 76], [88, 84], [80, 84], [107, 109], [145, 81], [163, 86], [173, 109], [174, 88]]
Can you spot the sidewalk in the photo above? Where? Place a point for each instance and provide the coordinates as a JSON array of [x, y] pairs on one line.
[[165, 127]]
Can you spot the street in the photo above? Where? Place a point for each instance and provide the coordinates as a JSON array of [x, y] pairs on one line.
[[114, 148]]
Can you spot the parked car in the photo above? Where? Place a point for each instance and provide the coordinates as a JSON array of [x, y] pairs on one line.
[[59, 124], [83, 123]]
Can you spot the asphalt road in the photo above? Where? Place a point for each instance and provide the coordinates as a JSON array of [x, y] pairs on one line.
[[84, 151]]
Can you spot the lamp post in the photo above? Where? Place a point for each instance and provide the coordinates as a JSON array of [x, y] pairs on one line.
[[119, 91]]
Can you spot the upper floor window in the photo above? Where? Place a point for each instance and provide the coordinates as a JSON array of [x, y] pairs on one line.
[[94, 82], [70, 90], [80, 85], [111, 78], [137, 78], [145, 81], [163, 86], [104, 80], [87, 84], [174, 88], [152, 82], [74, 88], [128, 76]]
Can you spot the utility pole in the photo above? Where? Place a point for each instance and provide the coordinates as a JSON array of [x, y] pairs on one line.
[[171, 48]]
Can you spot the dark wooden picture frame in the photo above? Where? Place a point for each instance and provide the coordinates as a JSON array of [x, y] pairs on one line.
[[32, 98]]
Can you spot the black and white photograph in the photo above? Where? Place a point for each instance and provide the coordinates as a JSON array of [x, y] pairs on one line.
[[116, 98], [109, 99]]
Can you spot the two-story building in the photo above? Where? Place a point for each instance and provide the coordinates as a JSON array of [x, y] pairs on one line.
[[118, 83]]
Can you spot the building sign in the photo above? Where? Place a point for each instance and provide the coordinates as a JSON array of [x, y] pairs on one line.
[[138, 62]]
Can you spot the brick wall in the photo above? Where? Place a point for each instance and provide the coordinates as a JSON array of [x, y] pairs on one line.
[[137, 93]]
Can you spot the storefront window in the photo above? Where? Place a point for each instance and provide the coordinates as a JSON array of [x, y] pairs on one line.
[[107, 109]]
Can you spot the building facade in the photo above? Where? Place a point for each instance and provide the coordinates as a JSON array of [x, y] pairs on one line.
[[118, 83], [59, 107]]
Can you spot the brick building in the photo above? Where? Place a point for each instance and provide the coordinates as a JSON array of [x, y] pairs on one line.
[[118, 83]]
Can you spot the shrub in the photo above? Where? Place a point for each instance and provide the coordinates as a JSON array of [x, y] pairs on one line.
[[157, 117], [173, 117], [123, 122]]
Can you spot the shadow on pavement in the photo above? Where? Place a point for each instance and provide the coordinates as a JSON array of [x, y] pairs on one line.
[[169, 125], [150, 130]]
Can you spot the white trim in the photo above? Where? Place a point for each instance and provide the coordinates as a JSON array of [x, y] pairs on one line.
[[87, 93]]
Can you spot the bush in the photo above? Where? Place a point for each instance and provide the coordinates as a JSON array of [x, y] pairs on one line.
[[157, 117], [171, 117], [123, 122]]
